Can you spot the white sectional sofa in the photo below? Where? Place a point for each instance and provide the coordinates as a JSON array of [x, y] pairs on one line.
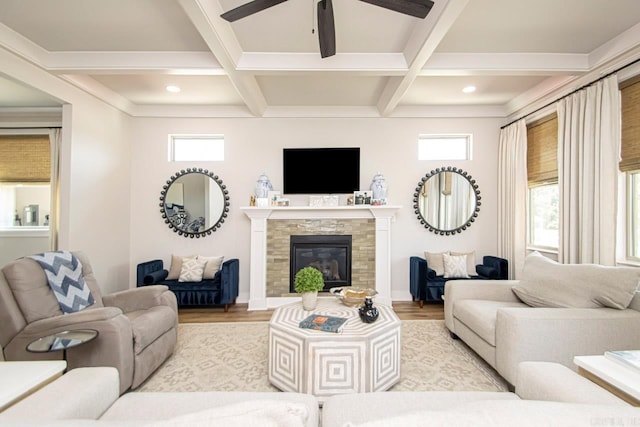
[[89, 396], [546, 394], [492, 318]]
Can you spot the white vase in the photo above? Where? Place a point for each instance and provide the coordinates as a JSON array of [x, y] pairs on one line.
[[309, 300], [379, 187], [263, 186]]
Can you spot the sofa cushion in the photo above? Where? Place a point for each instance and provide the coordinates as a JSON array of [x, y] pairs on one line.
[[455, 267], [342, 409], [212, 266], [157, 406], [471, 261], [546, 283], [480, 316], [524, 413], [244, 414], [176, 266], [205, 285], [155, 277], [192, 269], [435, 261]]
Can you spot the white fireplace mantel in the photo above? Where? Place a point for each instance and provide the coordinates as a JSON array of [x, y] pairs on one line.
[[383, 215]]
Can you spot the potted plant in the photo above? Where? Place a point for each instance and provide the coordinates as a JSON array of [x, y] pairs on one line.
[[308, 281]]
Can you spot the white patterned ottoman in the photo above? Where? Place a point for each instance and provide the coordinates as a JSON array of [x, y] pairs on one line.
[[364, 357]]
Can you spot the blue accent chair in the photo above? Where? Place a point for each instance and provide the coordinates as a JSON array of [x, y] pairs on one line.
[[425, 286]]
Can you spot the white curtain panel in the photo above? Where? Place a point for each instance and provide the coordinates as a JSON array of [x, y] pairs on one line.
[[512, 196], [588, 157]]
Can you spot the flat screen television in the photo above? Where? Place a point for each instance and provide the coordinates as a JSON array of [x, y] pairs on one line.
[[321, 170]]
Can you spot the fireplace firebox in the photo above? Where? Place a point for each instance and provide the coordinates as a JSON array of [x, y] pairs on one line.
[[331, 254]]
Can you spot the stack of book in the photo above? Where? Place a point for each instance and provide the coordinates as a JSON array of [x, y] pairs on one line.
[[628, 358], [323, 323]]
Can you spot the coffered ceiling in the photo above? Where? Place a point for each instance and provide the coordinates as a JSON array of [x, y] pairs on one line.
[[268, 64]]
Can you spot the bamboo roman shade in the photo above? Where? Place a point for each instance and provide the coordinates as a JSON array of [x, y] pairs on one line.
[[630, 150], [25, 158], [542, 151]]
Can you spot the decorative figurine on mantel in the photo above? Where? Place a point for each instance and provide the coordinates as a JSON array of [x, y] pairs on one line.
[[368, 313], [263, 186], [379, 190]]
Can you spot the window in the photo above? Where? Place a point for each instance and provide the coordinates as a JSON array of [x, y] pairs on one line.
[[25, 180], [544, 216], [184, 148], [542, 175], [630, 163], [444, 147]]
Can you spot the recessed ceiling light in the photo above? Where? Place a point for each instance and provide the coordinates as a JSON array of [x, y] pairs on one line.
[[173, 89], [469, 89]]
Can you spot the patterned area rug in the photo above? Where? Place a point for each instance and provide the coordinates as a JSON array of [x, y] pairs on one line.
[[233, 357]]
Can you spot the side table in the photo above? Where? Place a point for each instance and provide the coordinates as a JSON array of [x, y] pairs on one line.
[[20, 379], [62, 341], [614, 377]]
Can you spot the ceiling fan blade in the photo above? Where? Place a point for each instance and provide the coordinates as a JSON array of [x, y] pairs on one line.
[[250, 8], [417, 8], [326, 29]]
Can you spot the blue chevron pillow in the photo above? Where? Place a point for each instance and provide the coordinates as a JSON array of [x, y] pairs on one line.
[[64, 274]]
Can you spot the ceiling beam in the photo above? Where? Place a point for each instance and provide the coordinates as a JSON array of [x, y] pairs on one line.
[[368, 63], [424, 41], [378, 64], [617, 47], [438, 64], [505, 64], [217, 33], [190, 63], [98, 90]]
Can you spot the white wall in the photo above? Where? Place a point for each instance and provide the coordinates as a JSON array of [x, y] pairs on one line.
[[97, 210], [18, 243], [253, 146]]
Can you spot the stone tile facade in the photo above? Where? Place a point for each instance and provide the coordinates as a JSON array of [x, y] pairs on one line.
[[363, 255]]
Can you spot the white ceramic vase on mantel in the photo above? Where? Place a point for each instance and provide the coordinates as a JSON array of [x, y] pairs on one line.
[[309, 300], [379, 187]]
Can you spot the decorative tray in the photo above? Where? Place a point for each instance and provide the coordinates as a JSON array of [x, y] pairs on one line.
[[352, 296]]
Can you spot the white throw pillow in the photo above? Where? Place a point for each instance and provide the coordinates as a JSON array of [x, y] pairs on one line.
[[546, 283], [192, 269], [212, 266], [471, 261], [455, 267], [435, 261]]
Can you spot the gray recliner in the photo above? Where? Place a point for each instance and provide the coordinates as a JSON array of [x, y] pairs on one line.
[[137, 327]]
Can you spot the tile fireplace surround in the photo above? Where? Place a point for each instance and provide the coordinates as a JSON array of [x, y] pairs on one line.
[[383, 216]]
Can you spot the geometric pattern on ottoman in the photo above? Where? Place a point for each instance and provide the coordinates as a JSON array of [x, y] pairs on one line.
[[337, 366], [287, 357], [386, 360], [364, 357]]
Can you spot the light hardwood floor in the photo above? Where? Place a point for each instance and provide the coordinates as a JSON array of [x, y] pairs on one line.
[[238, 313]]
